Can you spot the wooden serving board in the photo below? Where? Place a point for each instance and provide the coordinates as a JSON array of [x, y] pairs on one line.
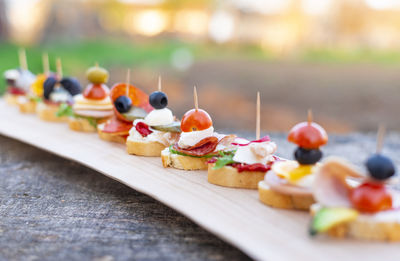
[[234, 215]]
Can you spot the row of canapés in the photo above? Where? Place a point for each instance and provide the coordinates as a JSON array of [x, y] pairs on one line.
[[343, 201]]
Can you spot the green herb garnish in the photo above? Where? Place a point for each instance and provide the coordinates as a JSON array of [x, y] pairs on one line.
[[224, 158], [65, 110], [171, 149]]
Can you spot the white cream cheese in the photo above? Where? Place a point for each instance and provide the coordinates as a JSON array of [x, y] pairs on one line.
[[165, 138], [255, 152], [59, 95], [159, 117], [81, 103], [189, 139], [11, 74]]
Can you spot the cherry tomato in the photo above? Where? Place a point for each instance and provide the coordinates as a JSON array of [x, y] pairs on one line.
[[195, 120], [308, 135], [371, 197], [96, 92]]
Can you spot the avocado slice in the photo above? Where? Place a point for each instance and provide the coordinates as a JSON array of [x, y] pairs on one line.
[[173, 127], [135, 113], [327, 218]]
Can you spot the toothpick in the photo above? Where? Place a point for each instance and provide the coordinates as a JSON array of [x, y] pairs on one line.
[[159, 83], [128, 79], [96, 64], [59, 67], [22, 59], [309, 116], [45, 62], [258, 117], [196, 102], [380, 137]]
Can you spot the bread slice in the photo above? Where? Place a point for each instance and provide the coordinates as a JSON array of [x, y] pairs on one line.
[[182, 162], [112, 137], [28, 106], [11, 99], [230, 177], [144, 148], [81, 124], [48, 113], [365, 229], [279, 200]]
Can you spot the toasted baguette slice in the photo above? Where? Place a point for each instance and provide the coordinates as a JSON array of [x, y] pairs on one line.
[[230, 177], [27, 106], [81, 124], [365, 229], [144, 148], [279, 200], [11, 99], [182, 162], [48, 113], [112, 137]]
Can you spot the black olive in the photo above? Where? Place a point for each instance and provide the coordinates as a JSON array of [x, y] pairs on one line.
[[158, 100], [123, 104], [48, 86], [307, 156], [380, 167], [72, 85]]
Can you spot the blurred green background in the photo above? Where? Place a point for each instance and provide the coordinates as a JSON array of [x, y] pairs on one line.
[[341, 58]]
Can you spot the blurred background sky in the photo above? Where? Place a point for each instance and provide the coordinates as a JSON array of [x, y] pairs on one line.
[[339, 57]]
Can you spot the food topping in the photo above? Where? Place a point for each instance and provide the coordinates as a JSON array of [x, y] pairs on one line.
[[308, 135], [97, 75], [255, 152], [174, 127], [116, 126], [203, 147], [60, 91], [138, 99], [158, 100], [196, 120], [371, 197], [143, 129], [159, 117], [19, 78], [37, 85], [259, 167], [96, 91], [123, 104], [292, 171], [81, 103], [165, 138], [307, 156], [327, 218], [380, 167], [189, 139]]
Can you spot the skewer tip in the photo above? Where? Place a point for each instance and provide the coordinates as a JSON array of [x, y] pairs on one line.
[[380, 136], [159, 83], [196, 102], [309, 116]]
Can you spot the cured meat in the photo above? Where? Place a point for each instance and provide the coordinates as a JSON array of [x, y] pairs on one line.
[[263, 139], [16, 91], [252, 167], [117, 126], [202, 148], [282, 186]]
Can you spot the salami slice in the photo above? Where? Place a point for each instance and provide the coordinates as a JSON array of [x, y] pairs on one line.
[[117, 126], [202, 148]]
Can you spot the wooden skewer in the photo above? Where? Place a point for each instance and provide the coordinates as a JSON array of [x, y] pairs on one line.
[[258, 117], [380, 137], [128, 79], [309, 116], [196, 102], [22, 59], [45, 62], [96, 64], [59, 67], [159, 83]]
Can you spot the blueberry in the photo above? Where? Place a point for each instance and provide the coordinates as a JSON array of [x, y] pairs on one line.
[[380, 167], [158, 100], [123, 104], [48, 86], [72, 85], [307, 156]]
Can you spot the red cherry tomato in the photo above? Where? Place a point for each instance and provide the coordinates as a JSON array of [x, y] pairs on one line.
[[308, 135], [371, 197], [195, 120], [96, 92]]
